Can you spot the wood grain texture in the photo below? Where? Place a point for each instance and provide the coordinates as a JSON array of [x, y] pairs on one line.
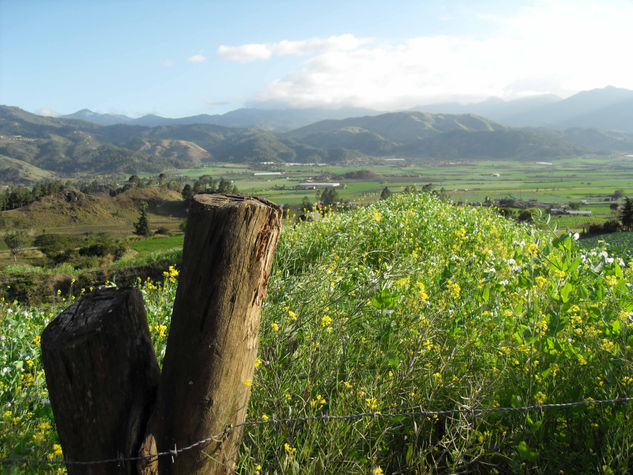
[[102, 375], [212, 344]]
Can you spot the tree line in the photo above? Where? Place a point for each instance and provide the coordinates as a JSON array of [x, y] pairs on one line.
[[18, 196]]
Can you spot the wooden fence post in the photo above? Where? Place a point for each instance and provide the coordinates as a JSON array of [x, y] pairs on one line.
[[102, 377], [212, 344]]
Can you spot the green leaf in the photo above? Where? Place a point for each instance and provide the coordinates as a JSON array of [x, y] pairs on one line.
[[618, 270], [616, 326], [486, 293], [565, 291], [384, 300], [525, 452], [409, 455]]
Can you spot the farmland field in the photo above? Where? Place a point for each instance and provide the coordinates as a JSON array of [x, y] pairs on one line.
[[561, 181], [590, 181]]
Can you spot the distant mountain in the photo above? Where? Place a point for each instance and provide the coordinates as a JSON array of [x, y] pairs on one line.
[[394, 127], [96, 118], [493, 108], [609, 108], [266, 119], [595, 140], [418, 134], [69, 146], [606, 108], [33, 145]]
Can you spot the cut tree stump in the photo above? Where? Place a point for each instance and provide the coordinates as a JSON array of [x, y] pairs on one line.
[[212, 344], [102, 377]]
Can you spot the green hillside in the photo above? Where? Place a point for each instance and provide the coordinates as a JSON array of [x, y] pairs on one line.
[[400, 127], [407, 305], [19, 172], [446, 136], [70, 147]]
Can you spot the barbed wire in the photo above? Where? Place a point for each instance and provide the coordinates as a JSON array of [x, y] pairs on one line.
[[323, 417]]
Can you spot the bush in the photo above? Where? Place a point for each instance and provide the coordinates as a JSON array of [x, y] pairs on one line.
[[53, 245], [602, 228], [526, 215], [507, 212]]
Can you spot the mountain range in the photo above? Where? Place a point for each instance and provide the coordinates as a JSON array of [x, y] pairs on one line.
[[608, 108], [37, 146], [265, 119]]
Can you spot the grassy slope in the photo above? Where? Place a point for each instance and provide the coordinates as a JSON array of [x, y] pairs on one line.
[[619, 244], [83, 212], [408, 303], [18, 171]]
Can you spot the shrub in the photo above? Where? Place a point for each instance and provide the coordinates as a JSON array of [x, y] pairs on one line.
[[603, 228]]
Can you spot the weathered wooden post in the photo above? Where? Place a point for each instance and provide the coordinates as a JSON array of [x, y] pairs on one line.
[[102, 373], [213, 339], [102, 377]]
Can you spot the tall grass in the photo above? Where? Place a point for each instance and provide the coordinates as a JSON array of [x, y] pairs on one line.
[[407, 303]]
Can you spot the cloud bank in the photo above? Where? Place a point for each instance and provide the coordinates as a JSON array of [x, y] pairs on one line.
[[254, 51], [549, 46], [196, 58]]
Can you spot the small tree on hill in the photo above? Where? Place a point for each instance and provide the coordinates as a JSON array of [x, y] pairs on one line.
[[626, 214], [187, 193], [15, 242], [385, 194], [329, 196], [225, 186], [306, 204], [141, 227]]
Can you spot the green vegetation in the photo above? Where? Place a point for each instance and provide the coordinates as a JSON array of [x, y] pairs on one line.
[[14, 241], [36, 145], [626, 214], [157, 244], [141, 227], [618, 244], [409, 303]]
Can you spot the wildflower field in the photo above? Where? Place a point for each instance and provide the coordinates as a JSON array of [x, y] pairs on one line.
[[406, 304]]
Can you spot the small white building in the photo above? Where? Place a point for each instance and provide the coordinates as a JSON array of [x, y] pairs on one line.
[[315, 185]]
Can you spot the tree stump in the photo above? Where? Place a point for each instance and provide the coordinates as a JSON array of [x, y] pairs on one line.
[[212, 344], [102, 375]]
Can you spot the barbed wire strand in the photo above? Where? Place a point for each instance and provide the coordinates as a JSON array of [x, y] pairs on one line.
[[323, 417]]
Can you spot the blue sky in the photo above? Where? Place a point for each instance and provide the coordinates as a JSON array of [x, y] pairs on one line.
[[191, 57]]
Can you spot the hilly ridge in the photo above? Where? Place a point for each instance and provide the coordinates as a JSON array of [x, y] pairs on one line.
[[421, 134], [608, 108], [70, 146], [274, 119]]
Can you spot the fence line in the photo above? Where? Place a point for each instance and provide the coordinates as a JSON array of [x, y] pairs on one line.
[[326, 418]]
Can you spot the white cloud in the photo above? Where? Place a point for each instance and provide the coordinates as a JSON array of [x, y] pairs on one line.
[[244, 53], [196, 58], [47, 113], [549, 46], [254, 51], [214, 102]]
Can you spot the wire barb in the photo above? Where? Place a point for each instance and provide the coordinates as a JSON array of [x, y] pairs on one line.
[[421, 412], [173, 453]]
